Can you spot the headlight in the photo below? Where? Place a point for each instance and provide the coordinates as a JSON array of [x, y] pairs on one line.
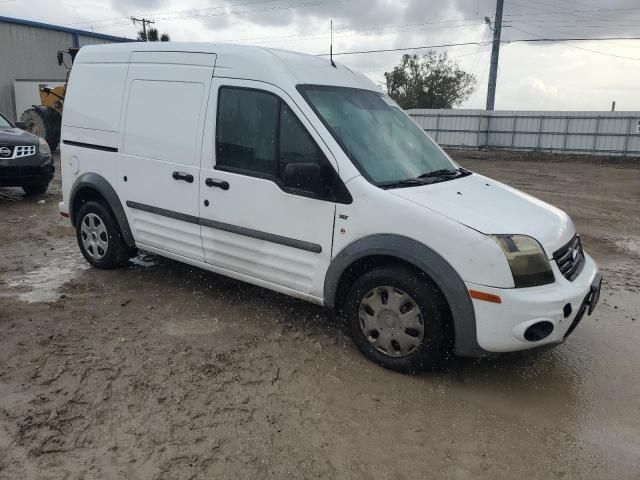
[[529, 264], [44, 146]]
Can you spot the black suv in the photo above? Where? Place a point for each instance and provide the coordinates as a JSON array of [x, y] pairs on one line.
[[25, 160]]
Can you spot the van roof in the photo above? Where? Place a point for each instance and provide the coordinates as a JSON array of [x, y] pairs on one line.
[[280, 67]]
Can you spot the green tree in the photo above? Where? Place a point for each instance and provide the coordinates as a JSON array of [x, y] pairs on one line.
[[153, 36], [430, 81]]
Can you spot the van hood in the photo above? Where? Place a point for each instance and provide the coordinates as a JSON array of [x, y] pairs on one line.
[[492, 208]]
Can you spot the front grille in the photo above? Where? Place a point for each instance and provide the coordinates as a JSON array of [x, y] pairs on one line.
[[9, 152], [24, 151], [570, 259]]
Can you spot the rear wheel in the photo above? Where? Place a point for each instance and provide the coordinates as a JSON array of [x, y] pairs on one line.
[[37, 189], [99, 237], [398, 319], [43, 122]]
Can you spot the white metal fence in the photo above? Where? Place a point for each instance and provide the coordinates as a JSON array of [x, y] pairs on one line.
[[595, 133]]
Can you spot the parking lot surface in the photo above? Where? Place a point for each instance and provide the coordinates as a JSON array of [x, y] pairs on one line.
[[163, 371]]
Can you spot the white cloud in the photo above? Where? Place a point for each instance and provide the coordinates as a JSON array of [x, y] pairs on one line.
[[541, 76]]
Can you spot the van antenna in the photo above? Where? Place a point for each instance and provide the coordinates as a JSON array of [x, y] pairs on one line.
[[331, 47]]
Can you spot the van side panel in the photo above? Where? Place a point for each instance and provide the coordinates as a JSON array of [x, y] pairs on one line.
[[91, 123], [163, 118], [95, 96]]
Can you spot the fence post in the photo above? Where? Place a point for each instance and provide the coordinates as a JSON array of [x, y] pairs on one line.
[[595, 137], [478, 131], [437, 126], [513, 132], [625, 152], [566, 134], [540, 132]]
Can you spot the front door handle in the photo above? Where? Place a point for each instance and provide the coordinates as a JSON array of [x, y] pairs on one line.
[[184, 176], [214, 182]]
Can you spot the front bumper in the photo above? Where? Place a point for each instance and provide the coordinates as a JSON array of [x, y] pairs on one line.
[[34, 170], [503, 327]]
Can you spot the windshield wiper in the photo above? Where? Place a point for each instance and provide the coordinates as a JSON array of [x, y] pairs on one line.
[[409, 182], [440, 173], [429, 178], [444, 175]]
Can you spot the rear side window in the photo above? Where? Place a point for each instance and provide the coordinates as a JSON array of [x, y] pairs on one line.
[[162, 120]]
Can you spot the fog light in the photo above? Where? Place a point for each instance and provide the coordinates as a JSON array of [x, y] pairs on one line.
[[538, 331]]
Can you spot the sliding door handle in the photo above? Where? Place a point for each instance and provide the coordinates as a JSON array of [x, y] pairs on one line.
[[214, 182], [184, 176]]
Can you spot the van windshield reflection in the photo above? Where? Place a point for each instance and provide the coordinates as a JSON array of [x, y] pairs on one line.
[[388, 148]]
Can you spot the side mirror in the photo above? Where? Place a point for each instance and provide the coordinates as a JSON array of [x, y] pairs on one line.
[[303, 176], [21, 125], [60, 57]]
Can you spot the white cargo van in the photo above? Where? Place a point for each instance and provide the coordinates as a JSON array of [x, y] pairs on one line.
[[281, 170]]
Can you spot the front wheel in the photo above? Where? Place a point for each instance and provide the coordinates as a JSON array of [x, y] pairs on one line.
[[99, 237], [398, 319]]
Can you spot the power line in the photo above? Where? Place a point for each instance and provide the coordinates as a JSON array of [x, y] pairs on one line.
[[573, 11], [446, 45], [401, 49], [575, 46], [577, 39]]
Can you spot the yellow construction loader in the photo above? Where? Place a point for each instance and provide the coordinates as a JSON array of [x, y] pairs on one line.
[[45, 119]]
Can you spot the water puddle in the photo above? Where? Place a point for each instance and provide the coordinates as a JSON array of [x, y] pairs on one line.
[[43, 283], [144, 260]]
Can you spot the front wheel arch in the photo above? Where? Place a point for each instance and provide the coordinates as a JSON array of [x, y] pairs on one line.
[[389, 247]]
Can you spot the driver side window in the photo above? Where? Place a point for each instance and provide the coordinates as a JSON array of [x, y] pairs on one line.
[[257, 134], [296, 145]]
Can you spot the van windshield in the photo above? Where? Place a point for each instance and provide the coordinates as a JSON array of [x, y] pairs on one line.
[[384, 144]]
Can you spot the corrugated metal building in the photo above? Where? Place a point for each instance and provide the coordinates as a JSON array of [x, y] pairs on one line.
[[28, 52]]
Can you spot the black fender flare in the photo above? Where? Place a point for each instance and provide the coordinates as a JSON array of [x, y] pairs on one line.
[[431, 263], [103, 187]]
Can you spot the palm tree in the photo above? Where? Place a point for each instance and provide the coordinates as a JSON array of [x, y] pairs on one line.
[[152, 35]]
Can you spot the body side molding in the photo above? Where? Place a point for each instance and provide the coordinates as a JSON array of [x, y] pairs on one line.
[[227, 227], [91, 146]]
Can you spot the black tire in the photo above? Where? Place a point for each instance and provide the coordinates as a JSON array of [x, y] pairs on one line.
[[434, 346], [117, 253], [43, 122], [35, 189]]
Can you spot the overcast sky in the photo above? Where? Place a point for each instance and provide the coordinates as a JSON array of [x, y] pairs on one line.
[[551, 76]]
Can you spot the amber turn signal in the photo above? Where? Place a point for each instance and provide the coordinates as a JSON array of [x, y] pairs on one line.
[[487, 297]]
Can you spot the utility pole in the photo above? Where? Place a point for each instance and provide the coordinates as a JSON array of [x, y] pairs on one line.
[[144, 22], [495, 55]]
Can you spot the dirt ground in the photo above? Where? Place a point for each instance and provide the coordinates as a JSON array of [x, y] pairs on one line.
[[164, 371]]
